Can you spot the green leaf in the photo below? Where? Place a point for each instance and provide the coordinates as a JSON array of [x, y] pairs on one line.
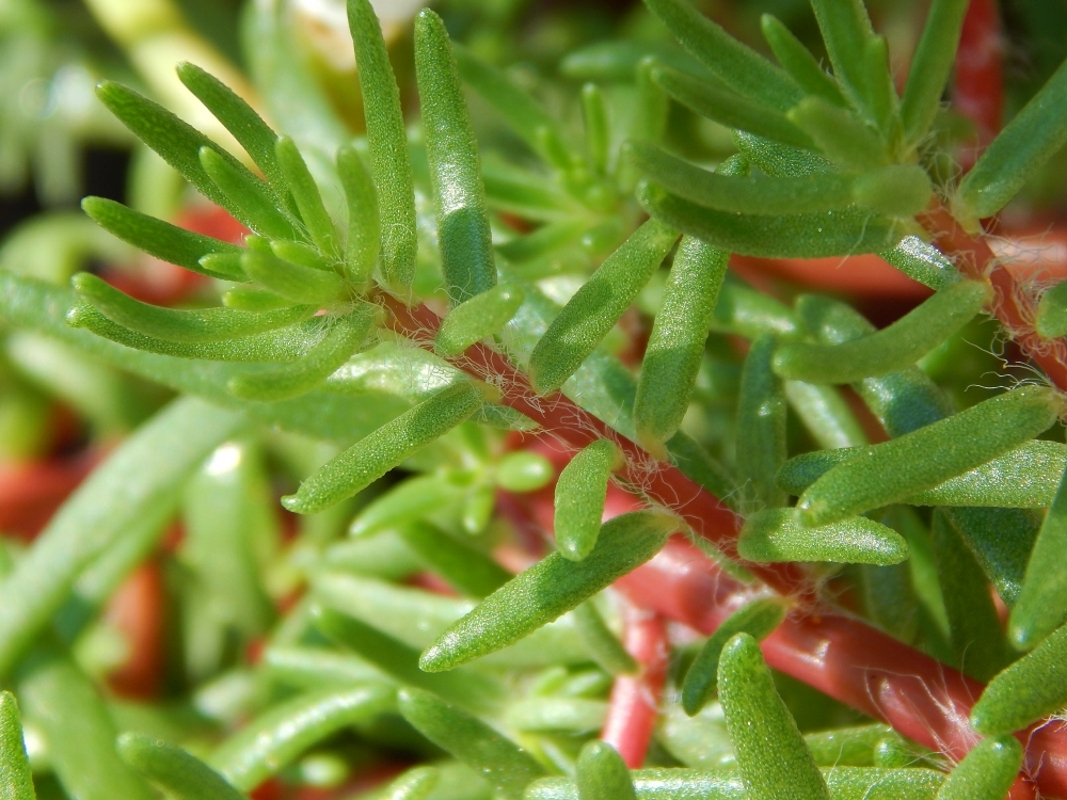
[[798, 61], [523, 114], [338, 415], [920, 460], [676, 345], [727, 107], [16, 780], [1002, 540], [598, 305], [255, 203], [847, 747], [931, 66], [163, 240], [804, 235], [1031, 138], [761, 426], [272, 740], [1052, 312], [344, 337], [497, 759], [597, 127], [672, 783], [826, 415], [408, 501], [117, 494], [416, 616], [846, 30], [173, 325], [780, 160], [400, 662], [416, 784], [177, 142], [975, 633], [1024, 477], [779, 535], [375, 454], [477, 318], [838, 133], [579, 498], [1031, 688], [880, 89], [890, 349], [775, 762], [567, 715], [758, 619], [463, 233], [467, 569], [602, 774], [175, 772], [387, 141], [306, 194], [898, 190], [744, 70], [364, 217], [756, 195], [603, 645], [286, 344], [239, 118], [922, 262], [1042, 602], [986, 772], [548, 589], [299, 253], [294, 282], [61, 702]]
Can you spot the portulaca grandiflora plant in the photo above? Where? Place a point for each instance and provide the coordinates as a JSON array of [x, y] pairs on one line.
[[426, 338]]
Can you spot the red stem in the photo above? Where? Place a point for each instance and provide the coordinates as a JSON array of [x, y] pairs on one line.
[[635, 700], [1012, 304], [844, 658], [840, 655]]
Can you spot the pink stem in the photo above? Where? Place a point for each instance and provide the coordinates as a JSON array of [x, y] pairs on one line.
[[840, 655], [635, 700], [844, 658]]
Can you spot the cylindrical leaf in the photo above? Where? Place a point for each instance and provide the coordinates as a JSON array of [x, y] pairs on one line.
[[475, 319], [497, 759], [890, 349], [922, 459], [462, 225], [306, 194], [1042, 602], [269, 742], [180, 775], [598, 305], [1031, 688], [374, 455], [758, 619], [548, 589], [986, 772], [174, 325], [602, 774], [16, 780], [342, 340], [775, 762], [1021, 149], [777, 535], [388, 144], [580, 493]]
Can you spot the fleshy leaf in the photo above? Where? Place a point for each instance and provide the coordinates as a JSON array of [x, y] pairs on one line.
[[548, 589]]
